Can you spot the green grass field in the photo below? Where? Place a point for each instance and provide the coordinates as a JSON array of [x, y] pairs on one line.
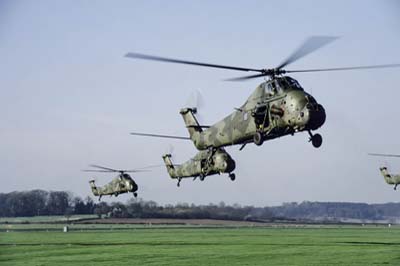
[[141, 245]]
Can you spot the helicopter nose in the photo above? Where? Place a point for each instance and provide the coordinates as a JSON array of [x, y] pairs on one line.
[[134, 187], [230, 166], [316, 114], [226, 166]]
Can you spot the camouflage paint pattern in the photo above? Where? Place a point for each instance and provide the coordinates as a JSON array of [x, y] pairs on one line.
[[390, 179], [123, 183], [276, 108], [205, 163]]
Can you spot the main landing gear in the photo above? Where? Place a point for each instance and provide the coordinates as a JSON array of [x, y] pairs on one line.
[[232, 176], [179, 182], [316, 139], [395, 187], [258, 138]]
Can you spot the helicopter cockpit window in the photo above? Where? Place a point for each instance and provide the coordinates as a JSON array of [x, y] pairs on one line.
[[271, 88], [280, 84], [293, 83]]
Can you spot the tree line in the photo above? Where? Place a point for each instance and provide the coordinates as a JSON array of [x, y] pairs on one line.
[[40, 202]]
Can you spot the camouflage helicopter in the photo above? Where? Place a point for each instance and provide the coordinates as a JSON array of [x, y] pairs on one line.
[[123, 183], [389, 179], [205, 163], [277, 107]]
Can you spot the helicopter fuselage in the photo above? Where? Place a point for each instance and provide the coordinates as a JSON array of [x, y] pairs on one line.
[[122, 183], [276, 108], [205, 163]]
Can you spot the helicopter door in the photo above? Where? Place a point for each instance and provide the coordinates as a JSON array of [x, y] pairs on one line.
[[204, 167], [260, 115]]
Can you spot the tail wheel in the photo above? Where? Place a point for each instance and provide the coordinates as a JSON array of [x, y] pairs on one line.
[[232, 176]]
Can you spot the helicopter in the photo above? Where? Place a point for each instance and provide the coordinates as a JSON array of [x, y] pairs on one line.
[[123, 183], [204, 163], [389, 179], [277, 107]]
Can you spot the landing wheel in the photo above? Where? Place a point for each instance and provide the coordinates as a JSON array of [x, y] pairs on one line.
[[202, 178], [258, 139], [232, 176], [316, 140], [135, 194], [179, 182]]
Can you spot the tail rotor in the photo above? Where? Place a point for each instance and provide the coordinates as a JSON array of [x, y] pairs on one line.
[[196, 100]]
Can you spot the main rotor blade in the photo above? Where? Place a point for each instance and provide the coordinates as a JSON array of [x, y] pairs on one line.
[[310, 45], [344, 68], [104, 168], [133, 171], [150, 166], [178, 61], [246, 77], [159, 136], [98, 171], [384, 155], [124, 171]]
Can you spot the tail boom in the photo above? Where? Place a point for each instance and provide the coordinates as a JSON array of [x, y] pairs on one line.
[[170, 166], [94, 188], [193, 126]]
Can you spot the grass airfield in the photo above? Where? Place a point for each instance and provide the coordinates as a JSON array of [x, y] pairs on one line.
[[141, 244]]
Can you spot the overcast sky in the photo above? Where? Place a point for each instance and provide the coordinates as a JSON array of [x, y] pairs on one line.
[[68, 97]]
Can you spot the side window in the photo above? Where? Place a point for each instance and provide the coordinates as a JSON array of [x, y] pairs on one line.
[[245, 116]]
